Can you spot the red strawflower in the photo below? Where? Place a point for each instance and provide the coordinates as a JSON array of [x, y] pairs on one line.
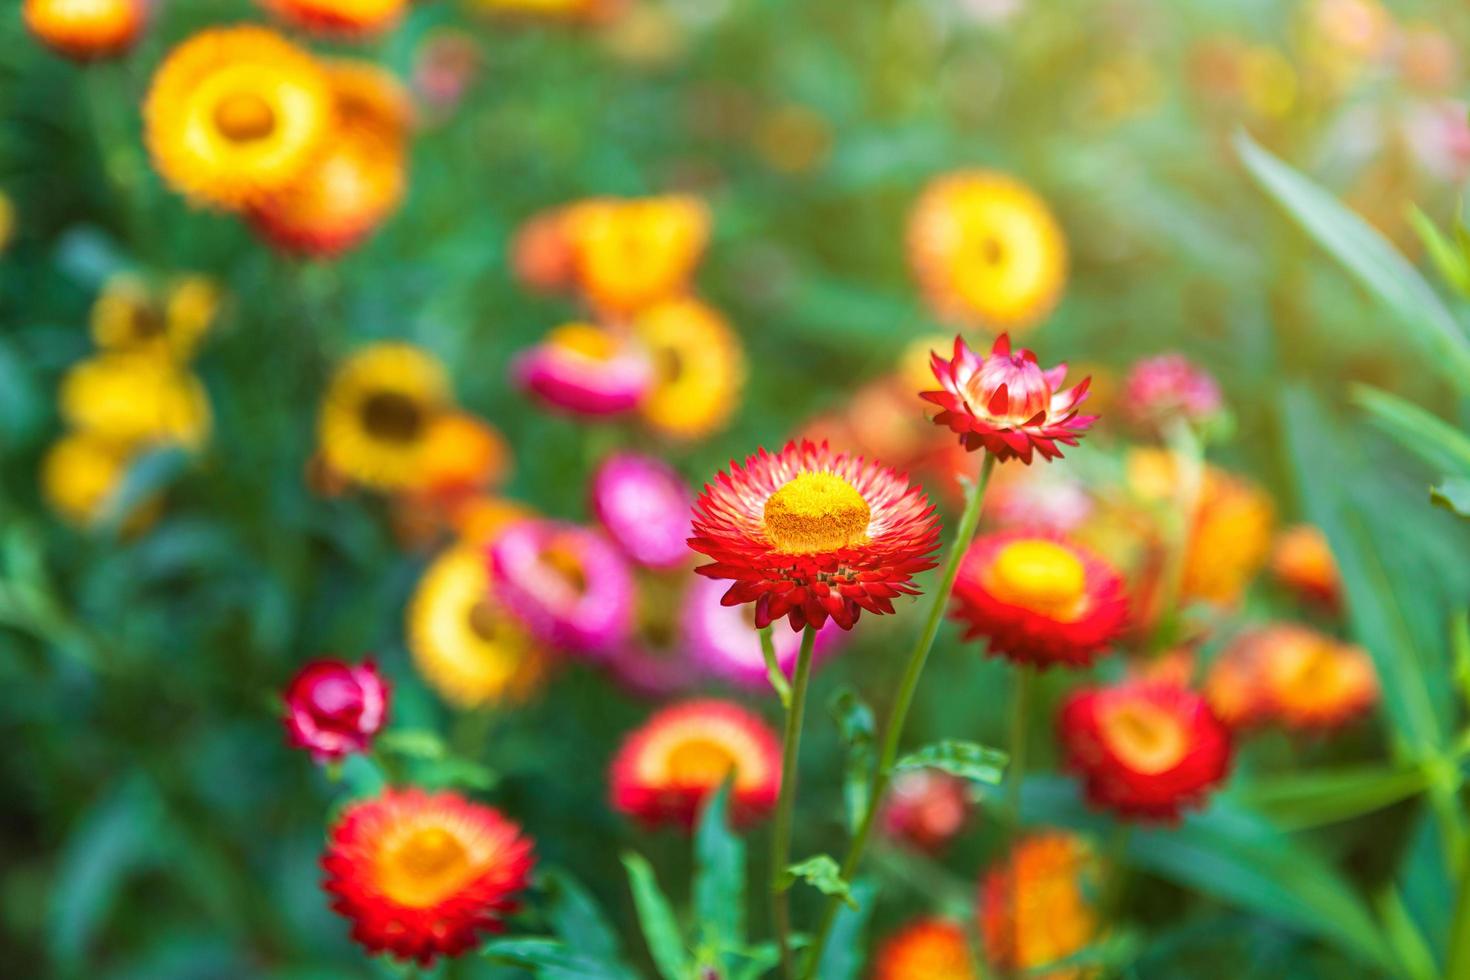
[[925, 949], [334, 708], [809, 533], [1005, 403]]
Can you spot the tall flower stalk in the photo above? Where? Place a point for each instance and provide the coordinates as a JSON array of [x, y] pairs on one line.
[[781, 833]]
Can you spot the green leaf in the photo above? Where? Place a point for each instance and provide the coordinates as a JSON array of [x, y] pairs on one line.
[[552, 959], [845, 953], [416, 743], [1453, 495], [1448, 257], [455, 771], [856, 726], [968, 760], [1433, 440], [361, 776], [656, 917], [823, 873], [1314, 799], [576, 918], [1365, 254], [719, 875]]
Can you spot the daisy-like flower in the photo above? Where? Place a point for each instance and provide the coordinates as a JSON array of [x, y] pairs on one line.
[[1036, 907], [1039, 599], [724, 641], [136, 399], [1170, 386], [809, 534], [129, 315], [925, 807], [631, 253], [1006, 404], [927, 949], [424, 875], [699, 368], [643, 505], [569, 585], [334, 708], [1296, 676], [1144, 749], [339, 18], [1302, 561], [79, 475], [987, 250], [236, 114], [379, 407], [86, 30], [679, 757], [585, 370]]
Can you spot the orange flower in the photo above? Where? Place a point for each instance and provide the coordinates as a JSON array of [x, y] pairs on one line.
[[926, 949], [541, 255], [461, 454], [1293, 675], [1035, 907], [1303, 562], [340, 18], [631, 253], [85, 29]]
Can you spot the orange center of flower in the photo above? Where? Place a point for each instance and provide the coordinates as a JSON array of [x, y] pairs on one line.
[[1312, 674], [245, 117], [1145, 738], [427, 867], [563, 559], [1042, 576], [816, 512], [700, 762], [586, 340]]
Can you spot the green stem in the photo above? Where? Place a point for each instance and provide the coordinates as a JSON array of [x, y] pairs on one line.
[[1016, 767], [893, 732], [774, 673], [781, 832], [1188, 456], [1457, 966]]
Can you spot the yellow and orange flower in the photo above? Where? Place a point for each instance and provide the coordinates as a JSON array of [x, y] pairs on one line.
[[424, 875], [1039, 599], [462, 455], [1296, 676], [541, 255], [676, 760], [808, 534], [339, 18], [86, 30], [136, 399], [1036, 908], [236, 114], [378, 412], [987, 250], [1302, 561], [631, 253], [128, 315], [926, 949], [698, 368]]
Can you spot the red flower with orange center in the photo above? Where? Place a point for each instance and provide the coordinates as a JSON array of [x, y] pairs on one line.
[[1005, 403], [1144, 749], [1039, 599], [809, 533], [928, 949], [1297, 676], [1035, 908], [668, 767], [423, 875]]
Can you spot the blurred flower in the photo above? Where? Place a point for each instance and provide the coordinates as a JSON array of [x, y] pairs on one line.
[[925, 807], [925, 949], [422, 875], [1038, 498], [79, 476], [1037, 907], [128, 315], [643, 504], [631, 253], [675, 760], [1438, 134], [698, 368], [793, 139], [339, 18], [375, 418], [480, 519], [235, 114], [1161, 389], [654, 661], [461, 455], [541, 255], [585, 370], [86, 29], [724, 641], [1006, 403], [136, 399], [1039, 599], [468, 648], [446, 64], [1428, 58], [568, 585], [1296, 676], [334, 708], [808, 533], [646, 36], [1144, 749], [1302, 561], [986, 250]]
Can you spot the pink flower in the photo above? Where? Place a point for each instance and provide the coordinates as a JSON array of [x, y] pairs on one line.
[[566, 584], [585, 370], [725, 643], [926, 808], [334, 708], [1170, 386], [645, 507]]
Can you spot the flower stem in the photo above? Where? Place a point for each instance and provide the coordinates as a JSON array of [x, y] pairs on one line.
[[1016, 767], [1188, 456], [774, 672], [781, 832], [893, 732]]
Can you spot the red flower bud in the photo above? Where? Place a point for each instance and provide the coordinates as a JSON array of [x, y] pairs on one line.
[[334, 708]]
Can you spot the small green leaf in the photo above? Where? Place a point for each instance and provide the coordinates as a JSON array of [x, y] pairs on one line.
[[576, 918], [455, 771], [822, 873], [1427, 436], [656, 916], [414, 742], [1448, 258], [719, 875], [1314, 799], [1453, 495], [856, 726], [774, 672], [362, 776], [968, 760]]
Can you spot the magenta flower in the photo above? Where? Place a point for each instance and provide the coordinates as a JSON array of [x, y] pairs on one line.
[[1170, 386], [723, 639], [645, 507], [585, 370], [334, 708], [566, 584]]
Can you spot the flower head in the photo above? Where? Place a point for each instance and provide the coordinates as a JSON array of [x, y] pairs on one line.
[[1303, 679], [86, 30], [377, 413], [1039, 599], [926, 949], [136, 399], [339, 18], [1302, 561], [1036, 907], [1006, 404], [585, 370], [541, 255], [334, 708], [809, 534], [423, 875], [462, 455], [723, 639], [131, 316], [1167, 387], [677, 759], [1146, 749], [698, 368], [567, 584], [643, 505], [80, 474], [631, 253], [655, 661], [926, 807]]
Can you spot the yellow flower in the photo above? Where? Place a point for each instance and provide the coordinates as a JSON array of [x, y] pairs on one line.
[[235, 114], [631, 253], [136, 398], [130, 316], [376, 417], [465, 646], [987, 250], [80, 474], [85, 29], [699, 368]]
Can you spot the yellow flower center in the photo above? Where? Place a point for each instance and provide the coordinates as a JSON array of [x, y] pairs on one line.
[[424, 869], [700, 762], [816, 512], [584, 339], [245, 117], [1146, 738], [1042, 576]]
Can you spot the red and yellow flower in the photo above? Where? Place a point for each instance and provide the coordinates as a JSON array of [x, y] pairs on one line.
[[1144, 749], [424, 875], [809, 534], [1302, 561], [341, 18], [926, 949], [1005, 403], [1035, 909], [1296, 676], [671, 764], [1039, 599], [86, 29]]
